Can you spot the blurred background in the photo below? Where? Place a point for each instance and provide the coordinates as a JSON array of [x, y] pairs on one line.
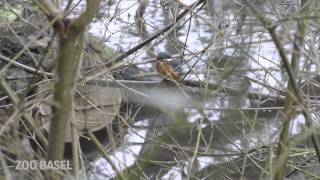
[[222, 120]]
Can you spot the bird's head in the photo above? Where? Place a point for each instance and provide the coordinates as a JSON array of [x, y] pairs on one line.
[[163, 56]]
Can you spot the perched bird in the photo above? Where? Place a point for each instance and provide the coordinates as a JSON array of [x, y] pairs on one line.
[[167, 67]]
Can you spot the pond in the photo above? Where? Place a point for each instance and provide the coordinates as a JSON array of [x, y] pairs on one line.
[[220, 43], [222, 114]]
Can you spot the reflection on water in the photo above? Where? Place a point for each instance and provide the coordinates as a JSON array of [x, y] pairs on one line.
[[220, 120], [220, 44]]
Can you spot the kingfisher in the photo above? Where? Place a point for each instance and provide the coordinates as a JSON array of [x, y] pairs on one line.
[[167, 67]]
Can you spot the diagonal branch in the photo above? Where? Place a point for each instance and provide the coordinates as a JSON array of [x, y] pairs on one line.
[[86, 17], [293, 92]]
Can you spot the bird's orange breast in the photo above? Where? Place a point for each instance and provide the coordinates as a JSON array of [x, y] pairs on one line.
[[165, 69]]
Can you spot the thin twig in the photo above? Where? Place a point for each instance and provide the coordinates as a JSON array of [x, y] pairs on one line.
[[294, 96], [159, 33], [105, 154], [16, 101]]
